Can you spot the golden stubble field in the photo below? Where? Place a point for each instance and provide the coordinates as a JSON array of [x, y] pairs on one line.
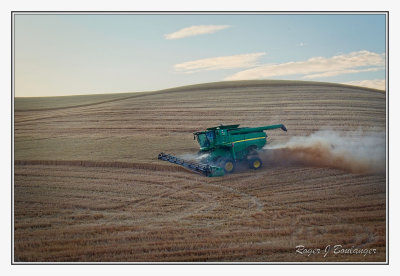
[[88, 185]]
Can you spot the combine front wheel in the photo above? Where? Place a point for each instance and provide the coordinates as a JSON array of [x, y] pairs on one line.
[[228, 165], [255, 163]]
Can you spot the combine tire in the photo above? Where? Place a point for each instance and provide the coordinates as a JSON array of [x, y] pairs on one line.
[[255, 163], [228, 165]]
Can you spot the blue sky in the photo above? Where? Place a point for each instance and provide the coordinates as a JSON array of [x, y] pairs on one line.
[[90, 54]]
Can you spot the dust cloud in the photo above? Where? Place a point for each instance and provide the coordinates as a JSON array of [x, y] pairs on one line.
[[352, 151], [194, 157]]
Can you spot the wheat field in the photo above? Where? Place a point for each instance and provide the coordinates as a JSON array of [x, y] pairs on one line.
[[88, 186]]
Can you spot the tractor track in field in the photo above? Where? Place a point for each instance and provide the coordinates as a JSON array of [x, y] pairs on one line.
[[256, 203], [91, 104], [157, 167], [95, 164]]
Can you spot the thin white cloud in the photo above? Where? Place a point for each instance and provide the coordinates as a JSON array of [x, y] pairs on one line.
[[342, 72], [317, 67], [377, 84], [195, 30], [301, 44], [216, 63]]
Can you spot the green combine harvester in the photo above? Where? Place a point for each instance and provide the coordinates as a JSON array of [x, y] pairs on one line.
[[224, 147]]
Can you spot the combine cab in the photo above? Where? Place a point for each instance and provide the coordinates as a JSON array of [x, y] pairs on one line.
[[224, 147]]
